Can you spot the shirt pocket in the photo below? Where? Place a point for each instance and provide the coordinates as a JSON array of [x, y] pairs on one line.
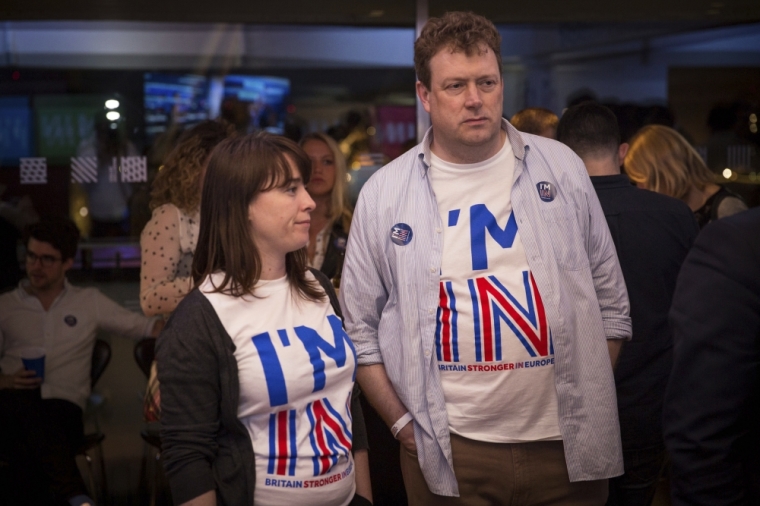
[[564, 236]]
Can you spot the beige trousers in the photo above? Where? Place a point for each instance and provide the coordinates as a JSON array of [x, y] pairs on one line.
[[491, 474]]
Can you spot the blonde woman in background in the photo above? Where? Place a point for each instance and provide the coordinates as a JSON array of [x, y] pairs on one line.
[[661, 160], [331, 219], [168, 240]]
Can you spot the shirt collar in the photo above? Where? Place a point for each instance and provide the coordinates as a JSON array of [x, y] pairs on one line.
[[613, 181], [519, 147], [24, 284]]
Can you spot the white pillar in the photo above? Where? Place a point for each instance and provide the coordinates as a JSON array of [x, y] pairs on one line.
[[423, 119]]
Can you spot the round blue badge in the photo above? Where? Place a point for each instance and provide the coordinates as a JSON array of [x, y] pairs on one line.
[[70, 320], [401, 234], [546, 191]]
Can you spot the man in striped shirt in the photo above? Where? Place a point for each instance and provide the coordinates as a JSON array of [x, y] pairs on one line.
[[480, 287]]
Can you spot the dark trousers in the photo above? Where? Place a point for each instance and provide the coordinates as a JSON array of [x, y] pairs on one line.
[[38, 440], [643, 468]]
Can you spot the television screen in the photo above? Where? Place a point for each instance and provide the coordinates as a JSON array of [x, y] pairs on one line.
[[15, 129], [180, 99], [265, 97]]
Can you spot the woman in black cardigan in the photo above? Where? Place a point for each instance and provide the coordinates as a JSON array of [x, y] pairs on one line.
[[257, 374]]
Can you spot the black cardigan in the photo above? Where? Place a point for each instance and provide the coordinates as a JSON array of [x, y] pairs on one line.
[[204, 444], [332, 265]]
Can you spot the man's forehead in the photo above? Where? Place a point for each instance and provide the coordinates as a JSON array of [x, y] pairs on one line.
[[470, 50], [450, 59]]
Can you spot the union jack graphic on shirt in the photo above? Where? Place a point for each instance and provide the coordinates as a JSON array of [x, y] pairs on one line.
[[282, 443], [329, 436], [492, 303], [400, 234], [446, 335]]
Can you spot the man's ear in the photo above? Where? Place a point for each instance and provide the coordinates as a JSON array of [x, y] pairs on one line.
[[68, 264], [622, 151], [424, 94]]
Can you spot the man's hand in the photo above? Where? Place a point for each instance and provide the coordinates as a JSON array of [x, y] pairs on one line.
[[378, 390], [406, 437], [614, 346], [21, 379], [157, 327]]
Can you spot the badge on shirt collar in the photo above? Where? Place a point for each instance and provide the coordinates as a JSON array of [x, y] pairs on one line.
[[401, 234], [70, 320], [546, 191]]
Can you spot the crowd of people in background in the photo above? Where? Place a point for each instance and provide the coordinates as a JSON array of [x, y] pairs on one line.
[[550, 309]]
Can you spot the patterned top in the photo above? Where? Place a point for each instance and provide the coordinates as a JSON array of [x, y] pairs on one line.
[[167, 242], [390, 297]]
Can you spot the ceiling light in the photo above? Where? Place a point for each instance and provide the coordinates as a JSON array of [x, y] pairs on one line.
[[113, 115], [112, 103]]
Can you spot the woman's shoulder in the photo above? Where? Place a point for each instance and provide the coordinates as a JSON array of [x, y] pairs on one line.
[[193, 310], [730, 204], [326, 286], [162, 216], [166, 208], [316, 275]]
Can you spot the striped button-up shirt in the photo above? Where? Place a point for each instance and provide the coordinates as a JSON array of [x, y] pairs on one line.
[[390, 294]]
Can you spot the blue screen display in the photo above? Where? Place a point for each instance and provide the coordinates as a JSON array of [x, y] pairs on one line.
[[266, 98], [180, 99], [15, 129]]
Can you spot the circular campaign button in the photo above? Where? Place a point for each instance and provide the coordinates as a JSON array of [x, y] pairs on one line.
[[401, 234], [546, 191]]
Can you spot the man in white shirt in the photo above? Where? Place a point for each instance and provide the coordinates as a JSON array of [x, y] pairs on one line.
[[484, 297], [41, 425]]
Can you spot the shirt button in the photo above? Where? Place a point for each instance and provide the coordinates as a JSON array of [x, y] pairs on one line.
[[432, 269], [427, 353], [431, 311], [438, 230]]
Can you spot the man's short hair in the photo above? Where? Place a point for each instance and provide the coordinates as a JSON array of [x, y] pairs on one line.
[[61, 233], [537, 121], [457, 31], [589, 129]]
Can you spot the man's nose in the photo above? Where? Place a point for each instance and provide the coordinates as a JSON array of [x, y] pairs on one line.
[[473, 100]]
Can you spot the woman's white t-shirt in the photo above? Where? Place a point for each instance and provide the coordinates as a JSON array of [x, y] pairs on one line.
[[297, 369]]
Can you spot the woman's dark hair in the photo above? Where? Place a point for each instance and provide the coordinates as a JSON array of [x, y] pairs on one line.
[[61, 233], [238, 170]]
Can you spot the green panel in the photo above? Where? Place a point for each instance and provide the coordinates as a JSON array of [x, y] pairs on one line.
[[63, 121]]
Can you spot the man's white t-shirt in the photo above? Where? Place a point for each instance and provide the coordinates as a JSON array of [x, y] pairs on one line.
[[297, 369], [493, 342]]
